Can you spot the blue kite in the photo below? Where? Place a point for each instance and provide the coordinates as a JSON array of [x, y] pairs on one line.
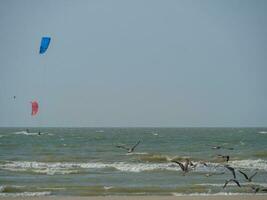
[[44, 44]]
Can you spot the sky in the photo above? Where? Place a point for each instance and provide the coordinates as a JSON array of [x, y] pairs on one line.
[[135, 63]]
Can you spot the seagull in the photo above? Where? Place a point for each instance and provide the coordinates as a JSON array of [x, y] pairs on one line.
[[231, 169], [248, 178], [184, 166], [130, 150], [231, 180], [227, 157]]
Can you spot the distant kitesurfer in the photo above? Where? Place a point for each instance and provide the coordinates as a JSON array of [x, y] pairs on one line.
[[27, 131]]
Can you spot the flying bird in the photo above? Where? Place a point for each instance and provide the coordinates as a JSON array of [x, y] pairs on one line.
[[129, 149], [249, 179], [184, 167], [231, 180]]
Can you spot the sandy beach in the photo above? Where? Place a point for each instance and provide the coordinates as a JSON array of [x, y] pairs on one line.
[[235, 197]]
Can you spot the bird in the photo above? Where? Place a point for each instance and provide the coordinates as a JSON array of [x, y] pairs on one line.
[[184, 166], [231, 180], [231, 169], [226, 157], [249, 179], [131, 149]]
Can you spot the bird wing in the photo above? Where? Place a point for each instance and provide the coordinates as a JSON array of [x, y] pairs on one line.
[[243, 174], [136, 145], [180, 164], [236, 182], [231, 169], [253, 175], [226, 182], [187, 162]]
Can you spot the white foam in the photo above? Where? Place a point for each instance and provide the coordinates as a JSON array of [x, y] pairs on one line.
[[262, 132], [233, 184], [218, 194], [51, 168], [68, 168], [250, 164], [108, 187], [25, 194], [25, 133]]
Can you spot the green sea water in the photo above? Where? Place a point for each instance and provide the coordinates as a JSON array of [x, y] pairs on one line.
[[86, 161]]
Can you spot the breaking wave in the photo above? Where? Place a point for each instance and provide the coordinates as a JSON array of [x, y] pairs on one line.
[[250, 164], [262, 132], [25, 194], [218, 194], [25, 133], [61, 168]]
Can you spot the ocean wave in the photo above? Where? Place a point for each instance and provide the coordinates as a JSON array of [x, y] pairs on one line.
[[51, 168], [25, 194], [233, 184], [250, 164], [262, 132], [61, 168], [148, 157], [25, 133], [32, 133], [137, 153], [68, 168], [218, 194]]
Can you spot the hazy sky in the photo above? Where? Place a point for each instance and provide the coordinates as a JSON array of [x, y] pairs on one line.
[[134, 63]]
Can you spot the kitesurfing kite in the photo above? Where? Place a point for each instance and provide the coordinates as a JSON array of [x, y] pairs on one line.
[[44, 44], [35, 107], [45, 41]]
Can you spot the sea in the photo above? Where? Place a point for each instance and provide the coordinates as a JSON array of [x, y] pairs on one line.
[[89, 162]]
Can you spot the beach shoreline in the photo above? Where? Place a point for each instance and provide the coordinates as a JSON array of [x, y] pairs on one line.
[[189, 197]]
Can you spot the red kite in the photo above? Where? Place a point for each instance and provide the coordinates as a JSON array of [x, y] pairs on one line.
[[34, 107]]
